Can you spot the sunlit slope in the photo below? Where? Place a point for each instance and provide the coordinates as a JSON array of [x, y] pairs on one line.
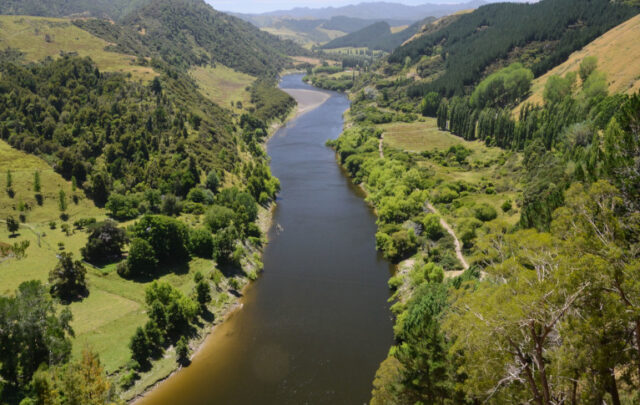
[[618, 53], [39, 37]]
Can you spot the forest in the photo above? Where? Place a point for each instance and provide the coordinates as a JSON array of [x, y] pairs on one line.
[[377, 36], [540, 35]]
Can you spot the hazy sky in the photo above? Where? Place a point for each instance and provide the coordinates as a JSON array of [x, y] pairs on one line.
[[260, 6]]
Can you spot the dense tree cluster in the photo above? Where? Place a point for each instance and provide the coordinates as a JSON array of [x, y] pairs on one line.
[[32, 332], [105, 243], [191, 32], [569, 123], [107, 133], [171, 315]]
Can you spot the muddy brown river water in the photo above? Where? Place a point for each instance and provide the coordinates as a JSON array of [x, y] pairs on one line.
[[316, 324]]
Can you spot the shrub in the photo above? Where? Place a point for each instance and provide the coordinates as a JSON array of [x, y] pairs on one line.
[[507, 206], [200, 195], [67, 279], [122, 207], [12, 225], [219, 217], [224, 244], [203, 293], [467, 230], [216, 276], [213, 182], [432, 228], [444, 194], [201, 243], [128, 379], [485, 212], [141, 260], [105, 243], [182, 351], [139, 346], [430, 272], [171, 205], [168, 237]]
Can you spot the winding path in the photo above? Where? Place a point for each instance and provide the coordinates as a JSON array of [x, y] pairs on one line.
[[443, 223], [449, 230]]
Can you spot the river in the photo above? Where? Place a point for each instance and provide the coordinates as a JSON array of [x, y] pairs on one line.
[[316, 324]]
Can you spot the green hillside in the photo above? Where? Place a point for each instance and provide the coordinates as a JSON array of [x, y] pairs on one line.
[[541, 35], [190, 32], [63, 8], [104, 125], [378, 36]]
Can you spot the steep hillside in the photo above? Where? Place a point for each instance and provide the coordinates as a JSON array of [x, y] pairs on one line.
[[190, 32], [63, 8], [378, 36], [618, 53], [352, 24], [540, 35], [38, 37], [366, 37]]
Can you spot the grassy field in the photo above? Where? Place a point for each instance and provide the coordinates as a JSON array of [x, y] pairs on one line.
[[425, 136], [395, 30], [41, 37], [106, 319], [223, 85], [618, 52]]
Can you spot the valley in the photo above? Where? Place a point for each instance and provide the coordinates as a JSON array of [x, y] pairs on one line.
[[382, 203]]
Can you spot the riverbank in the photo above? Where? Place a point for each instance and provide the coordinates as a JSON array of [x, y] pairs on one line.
[[307, 100]]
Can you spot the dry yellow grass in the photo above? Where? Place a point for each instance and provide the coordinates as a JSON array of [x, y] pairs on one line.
[[400, 28], [618, 53], [41, 37], [223, 85], [425, 136]]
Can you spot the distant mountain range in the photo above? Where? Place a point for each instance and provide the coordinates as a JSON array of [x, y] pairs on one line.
[[371, 11]]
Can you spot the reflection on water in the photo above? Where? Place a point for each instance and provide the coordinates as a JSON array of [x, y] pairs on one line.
[[316, 324]]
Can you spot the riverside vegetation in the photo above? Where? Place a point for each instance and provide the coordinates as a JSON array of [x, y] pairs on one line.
[[130, 199], [543, 199], [132, 196]]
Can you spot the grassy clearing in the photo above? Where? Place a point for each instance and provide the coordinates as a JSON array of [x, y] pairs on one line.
[[42, 37], [618, 52], [424, 136], [395, 30], [223, 85]]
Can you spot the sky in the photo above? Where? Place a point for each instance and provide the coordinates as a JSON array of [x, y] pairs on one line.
[[261, 6]]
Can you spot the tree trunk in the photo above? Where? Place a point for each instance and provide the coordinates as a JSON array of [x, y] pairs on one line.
[[546, 394], [533, 386], [612, 387], [638, 344]]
